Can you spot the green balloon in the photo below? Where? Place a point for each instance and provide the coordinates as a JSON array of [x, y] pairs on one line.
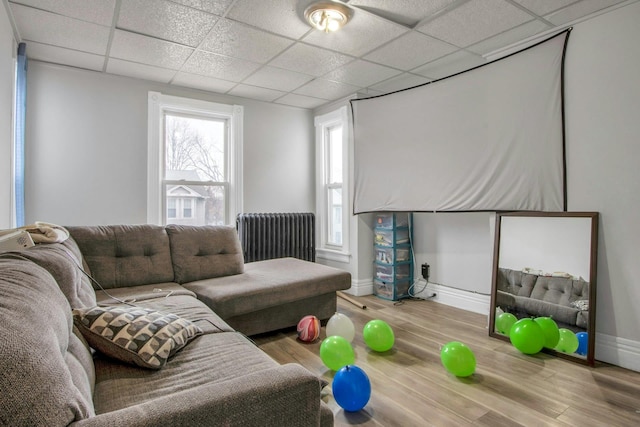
[[336, 352], [527, 336], [568, 342], [549, 330], [378, 335], [458, 359], [504, 322]]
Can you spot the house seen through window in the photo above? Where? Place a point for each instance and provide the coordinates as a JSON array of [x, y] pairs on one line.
[[195, 170]]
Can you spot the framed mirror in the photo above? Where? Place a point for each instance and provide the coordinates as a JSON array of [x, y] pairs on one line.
[[544, 265]]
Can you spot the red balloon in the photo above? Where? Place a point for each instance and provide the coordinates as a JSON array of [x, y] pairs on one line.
[[309, 328]]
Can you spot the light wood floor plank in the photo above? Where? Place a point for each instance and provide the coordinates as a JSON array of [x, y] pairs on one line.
[[410, 387]]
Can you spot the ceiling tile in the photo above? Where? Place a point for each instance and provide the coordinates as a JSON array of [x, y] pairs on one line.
[[139, 71], [217, 7], [475, 21], [300, 101], [450, 64], [49, 28], [406, 12], [363, 33], [219, 66], [238, 40], [96, 11], [409, 51], [368, 92], [59, 55], [276, 16], [361, 73], [403, 81], [326, 89], [578, 10], [277, 78], [202, 82], [166, 20], [509, 37], [148, 50], [542, 7], [310, 60], [254, 92]]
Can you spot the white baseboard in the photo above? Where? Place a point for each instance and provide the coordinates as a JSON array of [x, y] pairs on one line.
[[618, 351], [361, 287], [465, 300]]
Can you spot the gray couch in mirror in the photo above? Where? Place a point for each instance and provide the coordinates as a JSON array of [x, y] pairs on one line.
[[50, 375], [564, 299]]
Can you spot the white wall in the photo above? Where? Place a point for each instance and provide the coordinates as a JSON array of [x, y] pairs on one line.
[[602, 107], [87, 148], [603, 131], [7, 70]]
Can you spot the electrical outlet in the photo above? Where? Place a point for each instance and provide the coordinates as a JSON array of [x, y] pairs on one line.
[[425, 271]]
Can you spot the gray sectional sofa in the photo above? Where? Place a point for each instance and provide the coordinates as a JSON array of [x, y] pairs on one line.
[[197, 369], [565, 299]]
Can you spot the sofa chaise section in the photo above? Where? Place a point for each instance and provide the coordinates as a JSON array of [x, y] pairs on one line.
[[273, 294]]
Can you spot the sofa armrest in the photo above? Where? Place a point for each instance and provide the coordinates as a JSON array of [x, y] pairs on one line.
[[287, 395]]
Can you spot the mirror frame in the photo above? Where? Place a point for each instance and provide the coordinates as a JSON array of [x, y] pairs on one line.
[[589, 359]]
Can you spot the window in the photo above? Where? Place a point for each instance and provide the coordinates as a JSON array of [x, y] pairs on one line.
[[195, 164], [178, 209], [334, 184], [332, 189], [171, 208], [186, 208]]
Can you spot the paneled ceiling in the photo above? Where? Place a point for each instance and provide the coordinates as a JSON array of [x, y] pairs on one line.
[[264, 50]]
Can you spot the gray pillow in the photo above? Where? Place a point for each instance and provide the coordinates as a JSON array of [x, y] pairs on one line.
[[140, 336]]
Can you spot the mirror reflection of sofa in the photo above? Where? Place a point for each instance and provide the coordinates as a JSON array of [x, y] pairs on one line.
[[562, 297]]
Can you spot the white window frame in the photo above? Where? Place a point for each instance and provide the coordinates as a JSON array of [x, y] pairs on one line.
[[158, 105], [323, 123]]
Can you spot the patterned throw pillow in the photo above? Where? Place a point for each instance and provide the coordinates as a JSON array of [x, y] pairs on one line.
[[135, 335]]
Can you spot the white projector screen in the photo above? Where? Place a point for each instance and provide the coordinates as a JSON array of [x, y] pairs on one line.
[[488, 139]]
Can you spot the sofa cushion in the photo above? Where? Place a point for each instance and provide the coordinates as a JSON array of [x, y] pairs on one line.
[[47, 372], [125, 255], [516, 282], [210, 359], [169, 298], [135, 335], [267, 284], [557, 290], [204, 252], [135, 294], [64, 262]]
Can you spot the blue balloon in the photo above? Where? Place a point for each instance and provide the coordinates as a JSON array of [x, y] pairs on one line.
[[583, 339], [351, 388]]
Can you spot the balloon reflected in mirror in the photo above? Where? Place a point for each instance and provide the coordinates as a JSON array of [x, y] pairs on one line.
[[545, 271]]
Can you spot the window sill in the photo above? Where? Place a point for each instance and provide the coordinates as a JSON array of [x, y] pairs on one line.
[[333, 255]]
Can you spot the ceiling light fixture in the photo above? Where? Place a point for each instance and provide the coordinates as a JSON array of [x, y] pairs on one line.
[[327, 16]]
